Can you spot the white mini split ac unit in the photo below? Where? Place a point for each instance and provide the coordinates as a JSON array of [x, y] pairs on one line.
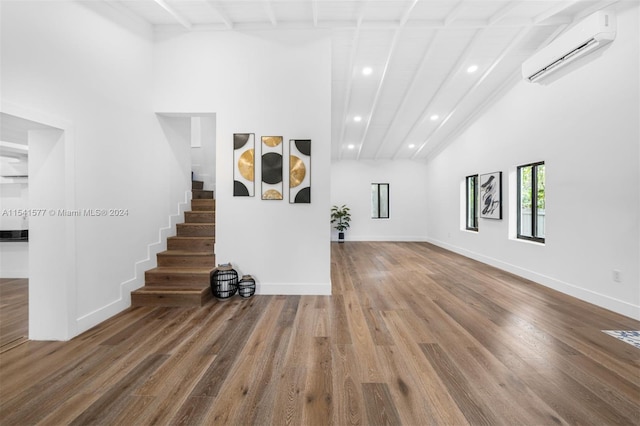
[[588, 35]]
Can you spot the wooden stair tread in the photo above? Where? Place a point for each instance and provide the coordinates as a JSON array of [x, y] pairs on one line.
[[185, 252], [181, 270], [171, 290], [187, 296], [186, 237]]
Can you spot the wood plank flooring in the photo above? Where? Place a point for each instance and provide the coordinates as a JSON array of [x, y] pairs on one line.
[[14, 312], [412, 335]]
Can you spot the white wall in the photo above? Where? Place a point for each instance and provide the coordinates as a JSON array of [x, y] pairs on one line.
[[64, 61], [585, 126], [267, 83], [351, 185]]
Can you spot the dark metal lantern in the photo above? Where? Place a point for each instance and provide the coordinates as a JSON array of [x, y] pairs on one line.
[[247, 286], [224, 281]]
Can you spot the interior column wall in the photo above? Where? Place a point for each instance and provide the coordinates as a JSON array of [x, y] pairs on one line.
[[270, 83]]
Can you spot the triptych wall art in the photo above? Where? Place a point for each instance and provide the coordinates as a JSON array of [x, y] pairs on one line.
[[271, 162]]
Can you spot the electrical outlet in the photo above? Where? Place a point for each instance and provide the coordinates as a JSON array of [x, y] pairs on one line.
[[616, 276]]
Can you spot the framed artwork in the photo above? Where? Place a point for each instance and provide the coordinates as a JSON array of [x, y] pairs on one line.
[[272, 167], [491, 195], [244, 164], [299, 171]]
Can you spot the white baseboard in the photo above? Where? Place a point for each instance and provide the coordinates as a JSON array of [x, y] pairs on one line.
[[302, 289], [14, 273], [361, 238], [604, 301]]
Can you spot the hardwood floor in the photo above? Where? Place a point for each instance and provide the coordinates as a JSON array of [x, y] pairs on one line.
[[14, 312], [412, 335]]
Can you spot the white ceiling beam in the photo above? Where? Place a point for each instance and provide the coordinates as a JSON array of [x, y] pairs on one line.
[[454, 14], [314, 12], [503, 12], [426, 111], [376, 99], [218, 11], [392, 52], [352, 71], [171, 11], [506, 52], [347, 95], [376, 25], [407, 13], [598, 6], [268, 7], [410, 89], [552, 11]]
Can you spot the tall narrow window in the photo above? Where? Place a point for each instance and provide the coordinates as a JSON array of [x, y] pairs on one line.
[[472, 203], [380, 201], [531, 202]]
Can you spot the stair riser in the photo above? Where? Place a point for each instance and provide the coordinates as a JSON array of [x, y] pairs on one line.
[[203, 244], [195, 230], [168, 279], [197, 184], [187, 261], [199, 217], [200, 194], [203, 205], [161, 299]]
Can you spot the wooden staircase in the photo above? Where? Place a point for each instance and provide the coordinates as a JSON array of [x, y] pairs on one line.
[[184, 270]]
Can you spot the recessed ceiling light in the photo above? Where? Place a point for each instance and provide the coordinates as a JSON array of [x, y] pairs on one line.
[[472, 69], [357, 119], [412, 145], [434, 117], [367, 71], [351, 146]]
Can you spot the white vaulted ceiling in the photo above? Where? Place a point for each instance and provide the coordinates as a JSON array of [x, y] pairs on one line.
[[420, 91]]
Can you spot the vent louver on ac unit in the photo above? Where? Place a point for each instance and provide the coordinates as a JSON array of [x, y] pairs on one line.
[[588, 35]]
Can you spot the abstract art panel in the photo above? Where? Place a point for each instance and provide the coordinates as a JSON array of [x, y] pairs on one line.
[[299, 171], [244, 164], [272, 167], [491, 195]]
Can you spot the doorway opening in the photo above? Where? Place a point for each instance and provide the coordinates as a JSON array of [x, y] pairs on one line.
[[35, 188]]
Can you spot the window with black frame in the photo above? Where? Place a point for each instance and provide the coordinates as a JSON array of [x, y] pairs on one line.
[[531, 202], [380, 201], [472, 203]]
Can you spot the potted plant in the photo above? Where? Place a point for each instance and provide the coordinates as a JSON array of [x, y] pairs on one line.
[[341, 218]]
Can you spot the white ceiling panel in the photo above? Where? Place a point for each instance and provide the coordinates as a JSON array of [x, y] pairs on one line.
[[418, 51]]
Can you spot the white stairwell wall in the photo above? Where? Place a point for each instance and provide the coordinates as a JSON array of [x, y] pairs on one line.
[[63, 59]]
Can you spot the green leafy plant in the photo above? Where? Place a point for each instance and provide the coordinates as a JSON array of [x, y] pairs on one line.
[[340, 217]]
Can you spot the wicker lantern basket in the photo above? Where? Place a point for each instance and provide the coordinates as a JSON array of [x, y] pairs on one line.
[[224, 281], [247, 286]]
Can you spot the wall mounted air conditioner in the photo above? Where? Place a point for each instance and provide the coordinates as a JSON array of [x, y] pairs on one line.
[[588, 35]]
